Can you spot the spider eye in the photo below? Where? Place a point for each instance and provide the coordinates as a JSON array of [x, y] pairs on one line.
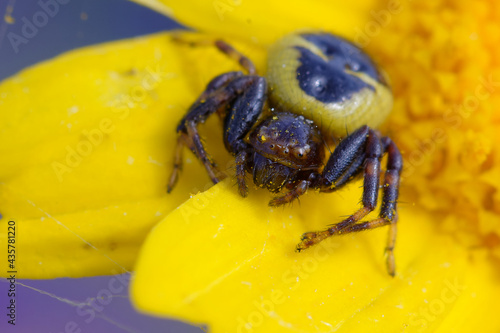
[[299, 153], [271, 146]]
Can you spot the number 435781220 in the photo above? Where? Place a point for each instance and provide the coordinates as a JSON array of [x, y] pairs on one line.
[[11, 248]]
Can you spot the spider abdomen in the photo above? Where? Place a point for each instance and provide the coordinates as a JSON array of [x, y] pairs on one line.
[[328, 80]]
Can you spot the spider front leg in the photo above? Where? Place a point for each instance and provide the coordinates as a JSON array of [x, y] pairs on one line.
[[388, 212], [291, 195], [296, 191], [197, 113], [345, 162], [237, 124], [391, 239], [230, 90], [363, 147]]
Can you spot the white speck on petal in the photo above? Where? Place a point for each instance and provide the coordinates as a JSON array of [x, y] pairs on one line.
[[130, 160], [152, 161], [325, 323], [218, 230], [72, 110]]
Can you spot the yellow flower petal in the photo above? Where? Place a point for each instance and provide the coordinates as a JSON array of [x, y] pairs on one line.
[[229, 262], [265, 21], [86, 142]]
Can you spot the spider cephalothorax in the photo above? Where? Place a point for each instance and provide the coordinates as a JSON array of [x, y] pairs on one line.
[[317, 85], [287, 148]]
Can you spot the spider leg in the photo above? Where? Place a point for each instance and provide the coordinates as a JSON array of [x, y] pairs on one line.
[[216, 83], [182, 140], [340, 167], [288, 197], [389, 248], [347, 160], [221, 92], [236, 55], [390, 198], [238, 122], [388, 211], [391, 239], [202, 154], [225, 48], [242, 159]]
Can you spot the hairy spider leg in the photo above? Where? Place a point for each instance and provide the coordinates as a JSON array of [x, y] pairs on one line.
[[216, 83], [348, 159], [388, 212], [389, 248], [240, 93], [242, 159], [237, 56], [225, 48], [183, 138], [362, 145], [338, 169], [391, 239], [297, 191], [238, 122]]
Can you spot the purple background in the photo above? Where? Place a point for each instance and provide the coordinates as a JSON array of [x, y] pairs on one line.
[[36, 312], [66, 30]]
